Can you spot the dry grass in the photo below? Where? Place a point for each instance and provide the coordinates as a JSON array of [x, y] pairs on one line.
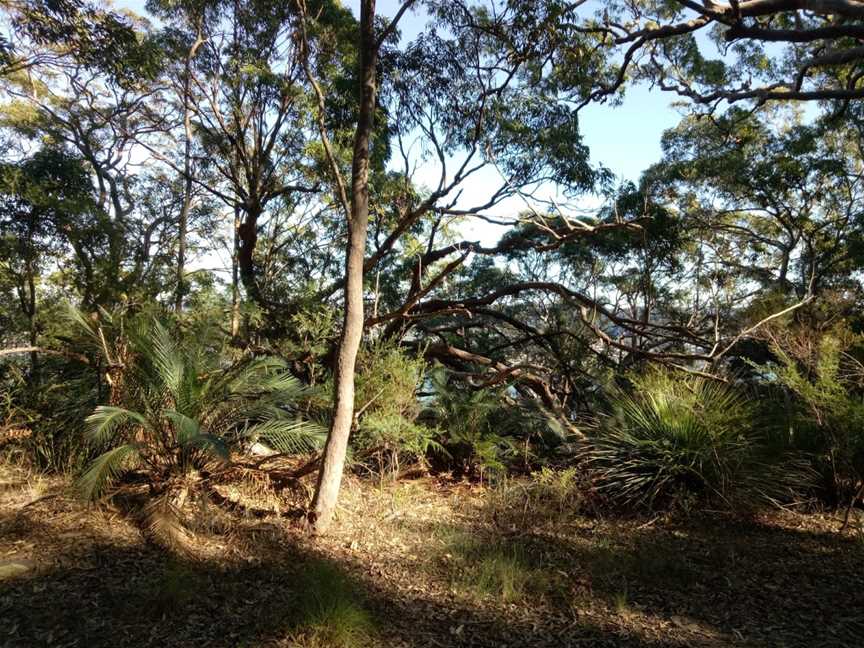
[[422, 563]]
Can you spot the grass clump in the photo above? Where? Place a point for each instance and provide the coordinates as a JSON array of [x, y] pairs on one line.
[[494, 568], [330, 611], [678, 440], [550, 497]]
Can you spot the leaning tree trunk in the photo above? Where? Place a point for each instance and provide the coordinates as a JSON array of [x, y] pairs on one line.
[[330, 475]]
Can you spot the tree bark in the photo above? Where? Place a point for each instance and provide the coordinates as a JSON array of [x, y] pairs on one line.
[[183, 221], [333, 462], [235, 276]]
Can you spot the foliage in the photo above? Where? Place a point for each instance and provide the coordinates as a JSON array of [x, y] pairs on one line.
[[542, 500], [824, 373], [507, 570], [673, 439], [328, 611], [178, 410], [467, 421], [387, 432]]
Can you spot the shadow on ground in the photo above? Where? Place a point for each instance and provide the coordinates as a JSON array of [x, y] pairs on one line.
[[706, 584]]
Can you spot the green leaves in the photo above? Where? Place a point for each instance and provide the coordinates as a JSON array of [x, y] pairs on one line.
[[104, 423], [676, 436], [182, 409], [289, 436], [106, 468]]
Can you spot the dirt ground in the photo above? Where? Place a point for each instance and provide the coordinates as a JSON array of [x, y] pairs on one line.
[[433, 564]]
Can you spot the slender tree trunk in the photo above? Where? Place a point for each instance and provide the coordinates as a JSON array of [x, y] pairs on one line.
[[235, 276], [34, 333], [183, 221], [333, 463]]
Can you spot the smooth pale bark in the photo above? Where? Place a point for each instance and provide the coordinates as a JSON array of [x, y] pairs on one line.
[[183, 221], [333, 462], [235, 276]]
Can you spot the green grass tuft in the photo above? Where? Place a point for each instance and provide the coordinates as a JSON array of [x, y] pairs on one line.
[[330, 611], [505, 570]]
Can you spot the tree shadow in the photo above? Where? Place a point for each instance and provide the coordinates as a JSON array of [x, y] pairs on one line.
[[745, 583], [98, 593]]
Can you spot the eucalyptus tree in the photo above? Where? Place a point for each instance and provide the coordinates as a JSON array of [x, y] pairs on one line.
[[67, 98], [249, 117], [742, 50], [45, 200], [477, 89], [773, 204]]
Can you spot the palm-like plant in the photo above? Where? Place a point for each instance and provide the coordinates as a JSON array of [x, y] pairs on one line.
[[671, 436], [467, 418], [182, 412]]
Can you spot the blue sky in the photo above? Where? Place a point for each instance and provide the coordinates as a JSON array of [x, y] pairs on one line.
[[626, 138]]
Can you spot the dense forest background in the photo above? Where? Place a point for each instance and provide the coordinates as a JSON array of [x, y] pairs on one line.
[[695, 337], [321, 325]]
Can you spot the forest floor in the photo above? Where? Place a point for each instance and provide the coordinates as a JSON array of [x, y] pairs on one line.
[[422, 563]]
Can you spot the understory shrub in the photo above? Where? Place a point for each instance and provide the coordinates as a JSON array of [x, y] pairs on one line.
[[387, 433], [176, 410], [676, 438], [823, 373], [46, 418], [466, 419]]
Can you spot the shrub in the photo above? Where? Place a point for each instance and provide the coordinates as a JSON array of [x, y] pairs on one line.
[[387, 407], [825, 377], [466, 418], [677, 439], [175, 409]]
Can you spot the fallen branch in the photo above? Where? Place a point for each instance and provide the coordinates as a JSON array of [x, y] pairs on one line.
[[34, 349]]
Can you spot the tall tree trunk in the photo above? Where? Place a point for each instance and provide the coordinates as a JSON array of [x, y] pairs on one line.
[[183, 221], [330, 475], [235, 276], [31, 316], [247, 239]]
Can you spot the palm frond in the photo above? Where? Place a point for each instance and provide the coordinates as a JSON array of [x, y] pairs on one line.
[[106, 419], [185, 427], [106, 468], [209, 444], [291, 436], [167, 360]]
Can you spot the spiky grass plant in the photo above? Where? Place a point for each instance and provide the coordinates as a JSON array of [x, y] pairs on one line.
[[180, 414], [506, 570], [329, 611], [680, 438]]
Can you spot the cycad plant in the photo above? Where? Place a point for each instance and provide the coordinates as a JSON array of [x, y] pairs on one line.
[[467, 420], [181, 412], [674, 437]]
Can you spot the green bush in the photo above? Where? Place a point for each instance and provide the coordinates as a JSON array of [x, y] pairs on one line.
[[677, 439], [174, 408], [472, 431], [824, 375], [387, 433]]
